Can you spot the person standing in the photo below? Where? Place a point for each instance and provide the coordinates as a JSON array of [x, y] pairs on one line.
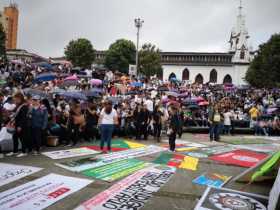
[[215, 119], [91, 131], [227, 121], [107, 120], [173, 128], [157, 122], [19, 120], [39, 123]]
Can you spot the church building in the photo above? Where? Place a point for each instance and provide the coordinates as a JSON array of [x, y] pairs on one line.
[[199, 67]]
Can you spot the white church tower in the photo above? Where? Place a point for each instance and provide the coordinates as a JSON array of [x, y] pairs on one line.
[[239, 40]]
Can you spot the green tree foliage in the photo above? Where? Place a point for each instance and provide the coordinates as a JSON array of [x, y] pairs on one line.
[[264, 70], [149, 60], [2, 43], [80, 52], [120, 54]]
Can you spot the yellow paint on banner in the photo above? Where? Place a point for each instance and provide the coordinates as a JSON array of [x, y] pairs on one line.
[[189, 163], [133, 145], [186, 149]]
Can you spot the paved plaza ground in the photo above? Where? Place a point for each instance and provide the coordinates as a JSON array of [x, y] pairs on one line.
[[178, 194]]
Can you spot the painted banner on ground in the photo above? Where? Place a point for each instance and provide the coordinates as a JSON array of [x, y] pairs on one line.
[[12, 172], [267, 148], [212, 179], [69, 153], [223, 199], [245, 141], [114, 171], [177, 160], [242, 158], [40, 193], [132, 192], [101, 160], [205, 152], [181, 143], [118, 145]]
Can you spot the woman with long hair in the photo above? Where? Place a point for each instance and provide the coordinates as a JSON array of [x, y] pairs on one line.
[[107, 120], [19, 122]]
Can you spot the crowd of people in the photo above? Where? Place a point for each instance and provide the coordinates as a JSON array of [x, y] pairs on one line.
[[84, 105]]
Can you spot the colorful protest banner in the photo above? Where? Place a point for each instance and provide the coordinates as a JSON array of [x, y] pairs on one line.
[[212, 179], [40, 193], [226, 199], [114, 171], [118, 145], [242, 158], [69, 153], [101, 160], [267, 148], [206, 151], [12, 172], [131, 192], [245, 141], [189, 163], [177, 160]]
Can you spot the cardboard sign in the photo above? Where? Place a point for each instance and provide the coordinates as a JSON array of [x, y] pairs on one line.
[[212, 179], [114, 171], [11, 172], [69, 153], [132, 192], [226, 199], [242, 158], [41, 193]]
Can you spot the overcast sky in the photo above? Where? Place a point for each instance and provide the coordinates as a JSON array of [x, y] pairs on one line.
[[46, 26]]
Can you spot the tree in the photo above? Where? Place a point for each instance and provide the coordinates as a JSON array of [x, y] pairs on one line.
[[150, 60], [2, 43], [264, 70], [80, 52], [120, 54]]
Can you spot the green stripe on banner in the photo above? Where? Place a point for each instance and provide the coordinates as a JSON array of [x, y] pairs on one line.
[[116, 170], [164, 158]]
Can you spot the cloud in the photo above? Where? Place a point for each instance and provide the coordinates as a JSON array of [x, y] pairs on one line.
[[46, 26]]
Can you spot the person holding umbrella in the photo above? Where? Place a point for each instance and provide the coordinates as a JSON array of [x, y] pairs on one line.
[[107, 120]]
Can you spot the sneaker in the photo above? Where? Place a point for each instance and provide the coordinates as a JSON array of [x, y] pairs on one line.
[[21, 155], [11, 154]]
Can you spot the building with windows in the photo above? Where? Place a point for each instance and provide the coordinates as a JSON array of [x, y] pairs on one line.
[[227, 67], [204, 67]]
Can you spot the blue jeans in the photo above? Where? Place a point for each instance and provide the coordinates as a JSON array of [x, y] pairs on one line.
[[215, 131], [106, 135]]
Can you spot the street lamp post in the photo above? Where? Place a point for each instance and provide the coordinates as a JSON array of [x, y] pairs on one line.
[[138, 24]]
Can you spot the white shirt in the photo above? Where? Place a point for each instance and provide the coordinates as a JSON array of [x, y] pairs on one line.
[[108, 118], [227, 117], [150, 105]]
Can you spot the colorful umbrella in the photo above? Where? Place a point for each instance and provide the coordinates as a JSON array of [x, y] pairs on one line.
[[96, 82], [74, 95], [72, 77], [44, 77], [136, 84], [203, 103]]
